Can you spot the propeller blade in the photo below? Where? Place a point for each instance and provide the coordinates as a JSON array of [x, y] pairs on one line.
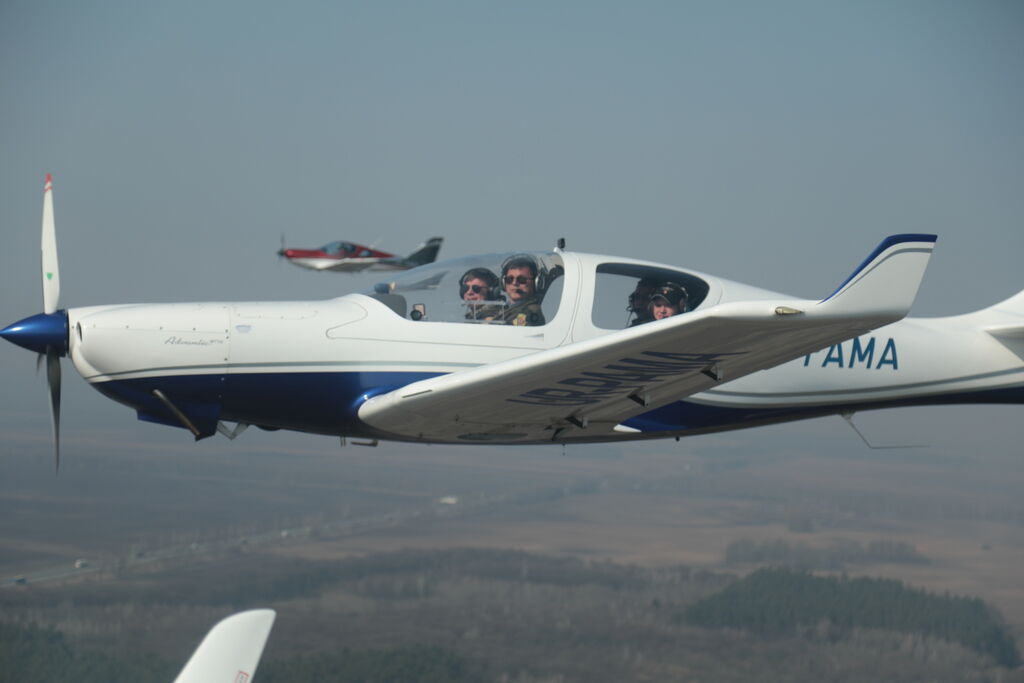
[[51, 273], [39, 362], [53, 379]]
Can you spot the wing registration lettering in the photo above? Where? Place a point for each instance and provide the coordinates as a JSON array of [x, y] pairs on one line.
[[619, 378]]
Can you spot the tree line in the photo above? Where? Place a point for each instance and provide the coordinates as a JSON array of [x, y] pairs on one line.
[[777, 601], [781, 553], [31, 653]]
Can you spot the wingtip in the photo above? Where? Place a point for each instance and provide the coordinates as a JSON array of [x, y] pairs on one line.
[[877, 279], [48, 184]]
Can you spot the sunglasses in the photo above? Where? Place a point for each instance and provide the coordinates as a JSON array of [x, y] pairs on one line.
[[517, 280], [476, 289]]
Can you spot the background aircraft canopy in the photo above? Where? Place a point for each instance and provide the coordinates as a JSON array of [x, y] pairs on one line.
[[339, 248]]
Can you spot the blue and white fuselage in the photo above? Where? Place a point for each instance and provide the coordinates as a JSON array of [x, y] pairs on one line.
[[541, 347], [314, 366]]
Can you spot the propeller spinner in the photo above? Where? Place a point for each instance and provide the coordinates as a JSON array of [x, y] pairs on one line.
[[46, 333]]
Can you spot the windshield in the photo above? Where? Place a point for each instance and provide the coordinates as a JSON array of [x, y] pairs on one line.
[[520, 289], [338, 248]]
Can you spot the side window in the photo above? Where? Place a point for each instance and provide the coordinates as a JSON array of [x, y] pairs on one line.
[[626, 295], [552, 295]]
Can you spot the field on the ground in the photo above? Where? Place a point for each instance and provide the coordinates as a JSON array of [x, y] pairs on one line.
[[155, 519]]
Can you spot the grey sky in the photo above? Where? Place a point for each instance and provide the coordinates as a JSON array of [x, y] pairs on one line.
[[771, 143]]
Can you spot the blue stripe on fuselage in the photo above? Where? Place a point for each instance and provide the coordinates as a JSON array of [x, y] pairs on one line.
[[683, 416], [318, 402], [327, 402]]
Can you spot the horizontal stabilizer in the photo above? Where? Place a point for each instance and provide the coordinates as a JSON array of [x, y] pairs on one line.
[[1010, 336], [1012, 306], [1008, 332]]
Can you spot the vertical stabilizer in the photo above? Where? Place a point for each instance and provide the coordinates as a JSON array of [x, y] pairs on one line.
[[425, 253]]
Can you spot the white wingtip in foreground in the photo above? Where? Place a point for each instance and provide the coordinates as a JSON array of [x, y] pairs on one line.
[[231, 650]]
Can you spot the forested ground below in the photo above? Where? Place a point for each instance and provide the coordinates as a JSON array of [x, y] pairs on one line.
[[473, 614], [503, 564]]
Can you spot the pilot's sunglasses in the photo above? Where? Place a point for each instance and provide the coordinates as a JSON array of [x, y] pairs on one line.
[[517, 280], [476, 289]]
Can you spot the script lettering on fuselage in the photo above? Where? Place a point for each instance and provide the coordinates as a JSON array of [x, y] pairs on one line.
[[860, 352], [178, 341], [619, 378]]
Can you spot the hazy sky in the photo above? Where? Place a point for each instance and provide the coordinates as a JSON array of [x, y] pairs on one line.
[[770, 143]]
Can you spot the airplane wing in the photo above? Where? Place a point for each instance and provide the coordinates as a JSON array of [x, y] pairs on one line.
[[231, 650], [350, 265], [583, 390]]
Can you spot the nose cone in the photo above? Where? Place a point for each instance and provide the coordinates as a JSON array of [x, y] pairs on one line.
[[40, 331]]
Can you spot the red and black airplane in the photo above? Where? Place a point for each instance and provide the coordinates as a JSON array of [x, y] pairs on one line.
[[349, 257]]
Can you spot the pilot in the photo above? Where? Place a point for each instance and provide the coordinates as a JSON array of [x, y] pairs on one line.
[[667, 300], [519, 275], [640, 299], [480, 291]]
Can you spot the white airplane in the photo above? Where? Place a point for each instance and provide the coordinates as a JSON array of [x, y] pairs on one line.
[[231, 650], [426, 358]]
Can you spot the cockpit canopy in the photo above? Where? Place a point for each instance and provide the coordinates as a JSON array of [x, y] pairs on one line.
[[344, 249], [624, 292], [338, 248], [526, 289], [518, 289]]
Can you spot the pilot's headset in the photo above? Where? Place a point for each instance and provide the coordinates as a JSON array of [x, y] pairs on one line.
[[540, 280], [489, 278], [674, 293]]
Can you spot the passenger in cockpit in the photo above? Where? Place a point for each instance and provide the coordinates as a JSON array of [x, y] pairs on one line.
[[668, 300], [640, 301], [480, 291], [520, 276]]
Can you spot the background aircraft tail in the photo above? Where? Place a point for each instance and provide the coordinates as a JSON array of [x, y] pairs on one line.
[[425, 253]]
